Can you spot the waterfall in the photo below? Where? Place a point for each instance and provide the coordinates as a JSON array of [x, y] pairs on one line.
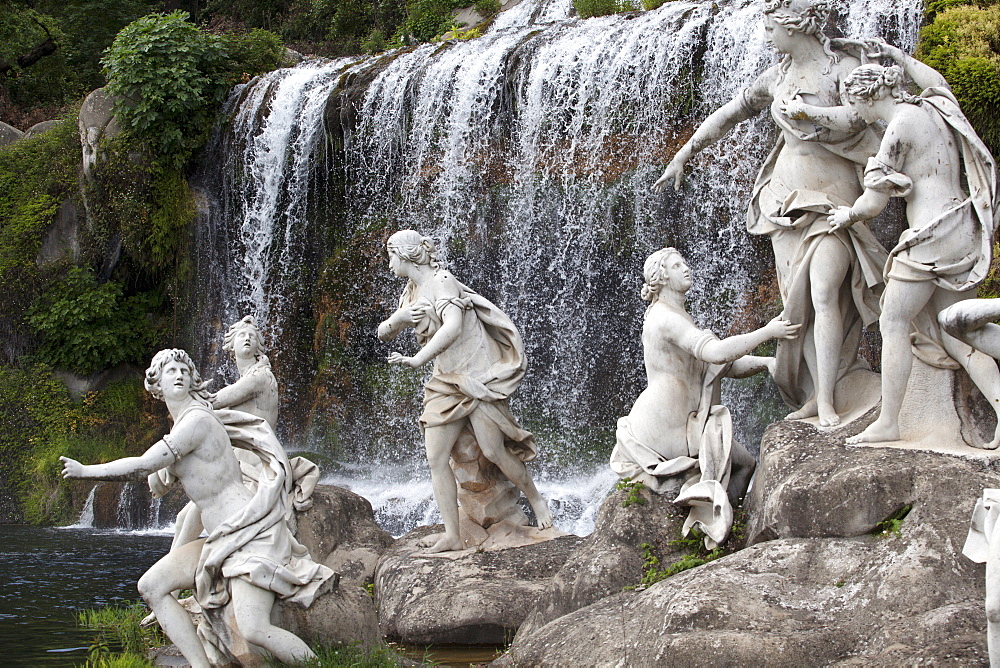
[[86, 519], [528, 154]]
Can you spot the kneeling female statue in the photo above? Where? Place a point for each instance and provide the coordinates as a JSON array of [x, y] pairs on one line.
[[678, 437], [478, 363]]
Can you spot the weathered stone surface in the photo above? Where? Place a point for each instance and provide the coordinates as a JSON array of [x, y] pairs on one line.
[[62, 239], [340, 531], [345, 614], [611, 557], [96, 120], [810, 485], [39, 128], [823, 592], [9, 134], [467, 597], [796, 602]]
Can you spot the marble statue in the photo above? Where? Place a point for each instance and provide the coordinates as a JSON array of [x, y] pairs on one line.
[[932, 158], [256, 393], [678, 434], [829, 282], [983, 546], [974, 322], [250, 556], [478, 363]]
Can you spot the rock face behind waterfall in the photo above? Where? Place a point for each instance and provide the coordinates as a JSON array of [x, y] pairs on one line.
[[818, 587]]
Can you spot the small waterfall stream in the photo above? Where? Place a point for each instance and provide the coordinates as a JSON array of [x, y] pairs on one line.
[[528, 154]]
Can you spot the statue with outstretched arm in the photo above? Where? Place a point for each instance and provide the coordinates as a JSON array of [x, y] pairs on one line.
[[678, 436], [249, 556], [931, 157], [830, 283], [479, 362]]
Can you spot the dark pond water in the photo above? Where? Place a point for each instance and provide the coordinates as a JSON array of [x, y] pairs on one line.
[[47, 575]]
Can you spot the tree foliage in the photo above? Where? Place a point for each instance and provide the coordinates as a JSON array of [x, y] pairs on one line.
[[963, 43], [85, 326]]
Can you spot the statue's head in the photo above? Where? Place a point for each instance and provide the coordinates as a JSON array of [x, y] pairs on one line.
[[154, 374], [805, 16], [241, 332], [665, 269], [870, 83], [412, 247]]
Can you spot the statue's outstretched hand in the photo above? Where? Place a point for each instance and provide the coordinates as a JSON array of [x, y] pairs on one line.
[[675, 171], [399, 358], [71, 468], [779, 328]]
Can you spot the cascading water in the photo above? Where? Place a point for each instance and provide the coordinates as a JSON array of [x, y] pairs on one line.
[[528, 153]]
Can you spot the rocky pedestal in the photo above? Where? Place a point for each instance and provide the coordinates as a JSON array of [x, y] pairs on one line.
[[611, 558], [468, 597], [340, 532], [832, 579]]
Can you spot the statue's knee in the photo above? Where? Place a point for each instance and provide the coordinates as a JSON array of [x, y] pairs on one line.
[[993, 609], [149, 588], [951, 322]]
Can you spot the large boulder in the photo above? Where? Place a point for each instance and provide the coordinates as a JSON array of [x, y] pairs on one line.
[[39, 128], [340, 531], [9, 134], [819, 587], [96, 121], [611, 558], [472, 597], [343, 614]]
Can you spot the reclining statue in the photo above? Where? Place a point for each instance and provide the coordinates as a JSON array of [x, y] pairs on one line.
[[677, 434], [249, 557]]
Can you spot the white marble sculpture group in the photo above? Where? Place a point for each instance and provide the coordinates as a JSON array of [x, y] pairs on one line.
[[851, 137]]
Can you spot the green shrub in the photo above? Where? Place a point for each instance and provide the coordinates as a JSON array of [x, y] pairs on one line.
[[586, 9], [170, 77], [488, 7], [253, 53], [374, 43], [85, 326], [427, 19], [962, 43]]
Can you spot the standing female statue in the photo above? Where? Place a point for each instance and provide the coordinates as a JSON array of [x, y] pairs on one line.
[[932, 158], [478, 363], [810, 171]]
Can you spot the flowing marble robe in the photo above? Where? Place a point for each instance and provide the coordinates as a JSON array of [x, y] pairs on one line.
[[984, 521], [795, 219], [463, 383]]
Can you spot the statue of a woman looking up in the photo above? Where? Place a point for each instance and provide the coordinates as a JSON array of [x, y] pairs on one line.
[[478, 363]]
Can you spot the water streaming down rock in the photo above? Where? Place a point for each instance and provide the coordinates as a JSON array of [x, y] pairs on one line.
[[528, 153]]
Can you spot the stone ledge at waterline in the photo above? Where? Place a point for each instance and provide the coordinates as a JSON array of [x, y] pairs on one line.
[[819, 589]]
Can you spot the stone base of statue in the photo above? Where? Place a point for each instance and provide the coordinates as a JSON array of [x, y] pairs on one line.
[[468, 597], [854, 560], [490, 516]]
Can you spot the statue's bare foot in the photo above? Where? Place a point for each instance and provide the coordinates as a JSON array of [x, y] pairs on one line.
[[876, 433], [441, 542], [992, 445], [543, 515], [828, 417], [807, 411]]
